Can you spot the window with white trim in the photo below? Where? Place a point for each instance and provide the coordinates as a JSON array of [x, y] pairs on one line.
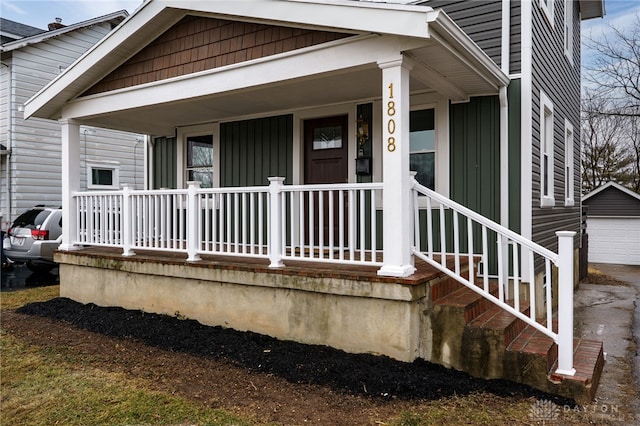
[[546, 152], [103, 175], [200, 160], [422, 146], [547, 9], [568, 30], [568, 163]]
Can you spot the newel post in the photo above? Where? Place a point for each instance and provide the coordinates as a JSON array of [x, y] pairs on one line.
[[275, 222], [565, 303], [193, 238], [127, 221]]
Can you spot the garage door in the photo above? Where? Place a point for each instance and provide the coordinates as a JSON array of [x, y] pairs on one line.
[[614, 240]]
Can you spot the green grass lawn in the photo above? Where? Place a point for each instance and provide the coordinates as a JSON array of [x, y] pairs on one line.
[[41, 387]]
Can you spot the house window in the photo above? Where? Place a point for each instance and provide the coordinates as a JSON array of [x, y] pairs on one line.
[[547, 9], [200, 160], [546, 152], [568, 30], [422, 143], [568, 163], [103, 175]]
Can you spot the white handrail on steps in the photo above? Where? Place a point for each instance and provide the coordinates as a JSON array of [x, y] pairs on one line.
[[450, 232]]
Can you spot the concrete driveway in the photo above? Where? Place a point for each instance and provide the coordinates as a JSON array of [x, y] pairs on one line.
[[608, 310]]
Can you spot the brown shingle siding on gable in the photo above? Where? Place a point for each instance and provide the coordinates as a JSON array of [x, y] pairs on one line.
[[196, 44]]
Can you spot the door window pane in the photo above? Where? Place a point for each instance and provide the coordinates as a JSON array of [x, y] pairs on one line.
[[327, 137]]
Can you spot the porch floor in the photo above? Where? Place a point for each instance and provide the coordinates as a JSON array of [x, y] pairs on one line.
[[424, 271]]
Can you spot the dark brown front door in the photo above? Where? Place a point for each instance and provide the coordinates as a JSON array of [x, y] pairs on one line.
[[326, 150]]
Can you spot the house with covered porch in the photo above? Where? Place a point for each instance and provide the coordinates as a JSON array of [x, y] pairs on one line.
[[394, 178]]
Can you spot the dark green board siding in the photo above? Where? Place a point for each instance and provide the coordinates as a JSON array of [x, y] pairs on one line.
[[253, 150], [515, 152], [164, 152], [475, 155], [475, 158]]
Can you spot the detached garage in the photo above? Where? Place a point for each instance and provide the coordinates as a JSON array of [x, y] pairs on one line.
[[613, 224]]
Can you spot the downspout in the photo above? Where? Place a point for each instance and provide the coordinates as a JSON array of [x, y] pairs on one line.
[[7, 219], [504, 131], [504, 115], [145, 162], [526, 131]]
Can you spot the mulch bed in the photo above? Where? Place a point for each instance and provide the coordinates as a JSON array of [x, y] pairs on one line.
[[274, 380]]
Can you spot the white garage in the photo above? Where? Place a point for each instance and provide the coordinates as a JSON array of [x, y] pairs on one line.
[[613, 225]]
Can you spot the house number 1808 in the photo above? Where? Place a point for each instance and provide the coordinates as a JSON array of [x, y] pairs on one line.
[[391, 124]]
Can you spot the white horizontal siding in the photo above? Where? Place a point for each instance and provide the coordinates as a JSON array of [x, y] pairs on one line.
[[36, 154]]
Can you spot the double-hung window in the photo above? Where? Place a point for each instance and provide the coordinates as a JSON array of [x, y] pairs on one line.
[[568, 164], [422, 143], [568, 30], [546, 152], [200, 160]]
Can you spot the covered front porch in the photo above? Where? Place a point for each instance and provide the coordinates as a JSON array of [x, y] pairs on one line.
[[335, 261]]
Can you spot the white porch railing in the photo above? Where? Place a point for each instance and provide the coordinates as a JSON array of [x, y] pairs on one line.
[[328, 223], [445, 230]]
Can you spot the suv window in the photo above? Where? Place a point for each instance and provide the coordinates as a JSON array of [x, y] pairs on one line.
[[31, 219]]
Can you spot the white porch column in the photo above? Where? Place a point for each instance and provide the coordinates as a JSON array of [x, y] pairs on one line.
[[70, 182], [397, 223]]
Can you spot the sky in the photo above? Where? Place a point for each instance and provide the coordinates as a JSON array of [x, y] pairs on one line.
[[39, 13]]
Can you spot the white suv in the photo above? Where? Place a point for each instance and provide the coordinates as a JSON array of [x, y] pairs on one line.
[[33, 238]]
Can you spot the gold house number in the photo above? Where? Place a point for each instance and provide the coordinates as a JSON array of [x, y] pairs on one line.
[[391, 124]]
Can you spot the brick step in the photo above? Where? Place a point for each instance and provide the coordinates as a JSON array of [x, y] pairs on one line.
[[529, 358], [449, 316], [474, 335], [588, 361], [486, 338]]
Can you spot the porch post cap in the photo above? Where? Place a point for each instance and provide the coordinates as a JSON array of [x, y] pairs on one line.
[[565, 233], [276, 179]]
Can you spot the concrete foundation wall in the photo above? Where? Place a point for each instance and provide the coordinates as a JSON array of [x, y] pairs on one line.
[[352, 315]]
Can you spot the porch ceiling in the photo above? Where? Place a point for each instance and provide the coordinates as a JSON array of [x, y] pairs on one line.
[[326, 89]]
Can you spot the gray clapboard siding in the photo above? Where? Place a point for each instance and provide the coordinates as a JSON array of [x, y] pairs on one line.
[[482, 21], [612, 202], [36, 148], [554, 74]]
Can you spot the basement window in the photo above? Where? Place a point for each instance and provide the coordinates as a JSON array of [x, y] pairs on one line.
[[103, 175]]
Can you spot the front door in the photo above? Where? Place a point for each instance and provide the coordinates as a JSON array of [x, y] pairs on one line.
[[326, 161]]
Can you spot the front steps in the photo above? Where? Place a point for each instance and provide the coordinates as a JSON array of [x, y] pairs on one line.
[[472, 334]]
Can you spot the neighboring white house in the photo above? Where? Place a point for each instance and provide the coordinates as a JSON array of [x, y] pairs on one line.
[[613, 224], [30, 151]]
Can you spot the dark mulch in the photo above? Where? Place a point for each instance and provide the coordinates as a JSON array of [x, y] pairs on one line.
[[355, 374]]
